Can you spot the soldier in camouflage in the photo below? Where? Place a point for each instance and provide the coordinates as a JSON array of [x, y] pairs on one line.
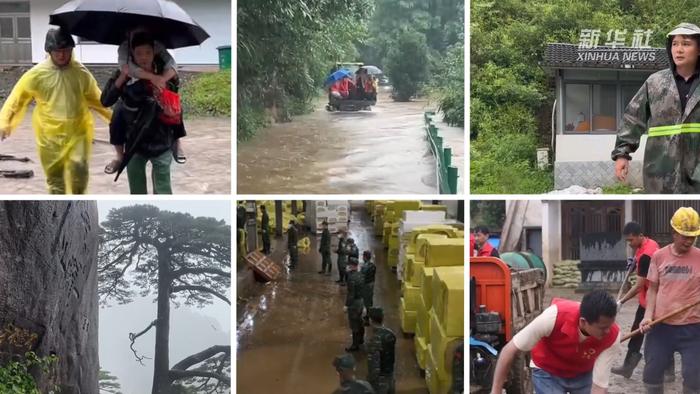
[[353, 251], [345, 366], [666, 108], [381, 350], [325, 250], [353, 305], [342, 260], [368, 271], [292, 247], [265, 229]]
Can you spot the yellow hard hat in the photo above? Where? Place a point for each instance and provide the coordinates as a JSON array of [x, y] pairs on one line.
[[686, 222]]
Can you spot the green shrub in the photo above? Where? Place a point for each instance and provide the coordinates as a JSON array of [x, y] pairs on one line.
[[208, 95], [407, 64], [250, 119], [16, 379]]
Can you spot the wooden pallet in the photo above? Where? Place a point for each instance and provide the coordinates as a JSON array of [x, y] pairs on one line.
[[263, 266]]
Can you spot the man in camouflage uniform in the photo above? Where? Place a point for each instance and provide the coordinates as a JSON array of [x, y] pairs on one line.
[[353, 251], [342, 260], [666, 108], [292, 240], [265, 229], [368, 271], [380, 354], [325, 250], [345, 366], [353, 305]]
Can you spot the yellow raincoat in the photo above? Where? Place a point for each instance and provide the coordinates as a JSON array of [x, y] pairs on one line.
[[62, 122]]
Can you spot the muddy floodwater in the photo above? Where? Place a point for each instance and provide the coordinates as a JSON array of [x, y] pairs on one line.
[[290, 331], [373, 152]]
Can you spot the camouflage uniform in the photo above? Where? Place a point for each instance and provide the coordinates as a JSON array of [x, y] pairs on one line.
[[345, 363], [368, 273], [380, 360], [292, 240], [265, 225], [342, 261], [671, 159], [353, 302], [325, 250]]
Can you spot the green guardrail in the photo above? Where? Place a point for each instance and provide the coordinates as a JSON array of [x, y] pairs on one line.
[[447, 174]]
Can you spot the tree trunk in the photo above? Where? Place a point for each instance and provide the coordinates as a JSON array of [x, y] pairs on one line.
[[161, 367], [48, 289]]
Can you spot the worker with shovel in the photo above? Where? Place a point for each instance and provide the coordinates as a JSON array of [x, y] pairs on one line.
[[674, 281], [644, 248], [572, 346]]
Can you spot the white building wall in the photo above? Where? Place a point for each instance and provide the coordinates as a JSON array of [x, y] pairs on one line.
[[213, 15], [590, 147]]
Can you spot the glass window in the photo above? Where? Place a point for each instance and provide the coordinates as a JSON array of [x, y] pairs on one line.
[[628, 91], [14, 7], [576, 106], [634, 75], [24, 29], [6, 30], [604, 108]]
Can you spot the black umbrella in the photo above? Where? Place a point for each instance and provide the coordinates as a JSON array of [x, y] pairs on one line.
[[109, 21]]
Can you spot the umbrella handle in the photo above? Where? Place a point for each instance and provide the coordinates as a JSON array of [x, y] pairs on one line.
[[661, 319]]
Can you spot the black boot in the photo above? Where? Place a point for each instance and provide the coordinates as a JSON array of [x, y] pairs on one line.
[[355, 345], [631, 361]]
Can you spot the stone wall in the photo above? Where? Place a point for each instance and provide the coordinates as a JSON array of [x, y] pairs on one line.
[[48, 288]]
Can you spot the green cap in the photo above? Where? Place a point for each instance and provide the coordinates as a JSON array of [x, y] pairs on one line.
[[344, 362]]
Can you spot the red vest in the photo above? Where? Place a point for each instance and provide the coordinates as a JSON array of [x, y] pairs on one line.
[[649, 247], [561, 354], [471, 245], [485, 250]]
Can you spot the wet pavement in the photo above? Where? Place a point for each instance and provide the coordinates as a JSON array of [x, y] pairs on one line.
[[207, 171], [378, 152], [625, 318], [290, 331]]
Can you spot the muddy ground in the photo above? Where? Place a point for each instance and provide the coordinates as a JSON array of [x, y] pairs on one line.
[[618, 384], [290, 331]]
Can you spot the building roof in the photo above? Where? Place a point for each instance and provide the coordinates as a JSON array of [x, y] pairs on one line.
[[559, 55]]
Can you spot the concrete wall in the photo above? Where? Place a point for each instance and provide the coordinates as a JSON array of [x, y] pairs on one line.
[[213, 15], [551, 236]]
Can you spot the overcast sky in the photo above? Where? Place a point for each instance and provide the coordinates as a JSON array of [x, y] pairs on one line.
[[191, 329]]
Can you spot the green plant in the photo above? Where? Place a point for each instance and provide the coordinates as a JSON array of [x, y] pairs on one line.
[[407, 63], [16, 379], [620, 188], [208, 95]]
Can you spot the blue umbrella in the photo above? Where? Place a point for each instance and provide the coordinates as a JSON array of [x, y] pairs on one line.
[[338, 75]]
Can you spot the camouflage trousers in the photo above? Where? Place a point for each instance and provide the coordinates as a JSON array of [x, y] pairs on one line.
[[383, 384]]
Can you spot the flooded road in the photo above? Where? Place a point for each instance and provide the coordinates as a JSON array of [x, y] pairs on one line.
[[378, 152], [289, 332]]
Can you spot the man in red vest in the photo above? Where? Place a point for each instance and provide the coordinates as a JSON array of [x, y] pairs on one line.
[[572, 346], [674, 282], [481, 236], [644, 247]]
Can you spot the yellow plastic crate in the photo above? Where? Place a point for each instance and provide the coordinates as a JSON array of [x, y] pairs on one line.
[[442, 347], [415, 274], [411, 294], [436, 383], [421, 349], [426, 286], [423, 320], [443, 252], [433, 207], [408, 268], [448, 299], [408, 318], [406, 205], [422, 242]]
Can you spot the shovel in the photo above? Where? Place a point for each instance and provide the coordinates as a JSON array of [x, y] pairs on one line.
[[630, 268], [661, 319]]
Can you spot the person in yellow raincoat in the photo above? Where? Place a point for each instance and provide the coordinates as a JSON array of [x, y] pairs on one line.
[[64, 92]]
